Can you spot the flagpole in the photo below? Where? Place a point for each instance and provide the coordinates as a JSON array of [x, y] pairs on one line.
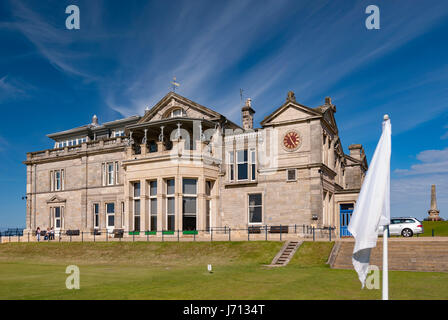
[[385, 265]]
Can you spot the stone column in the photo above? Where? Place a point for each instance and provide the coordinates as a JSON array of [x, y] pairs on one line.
[[178, 201], [161, 207], [143, 205], [200, 208], [127, 205], [433, 211], [160, 146], [144, 149]]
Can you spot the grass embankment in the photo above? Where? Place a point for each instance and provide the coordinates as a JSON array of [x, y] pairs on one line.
[[179, 271], [440, 228]]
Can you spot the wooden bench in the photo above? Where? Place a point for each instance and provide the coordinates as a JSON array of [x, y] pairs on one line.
[[72, 232], [278, 229], [118, 233], [254, 229]]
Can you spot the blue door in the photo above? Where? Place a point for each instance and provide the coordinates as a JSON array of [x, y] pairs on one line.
[[346, 211]]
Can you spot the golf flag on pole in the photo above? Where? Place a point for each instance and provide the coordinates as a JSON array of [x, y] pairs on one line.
[[373, 206]]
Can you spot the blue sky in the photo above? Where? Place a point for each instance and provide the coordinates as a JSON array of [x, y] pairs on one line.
[[126, 52]]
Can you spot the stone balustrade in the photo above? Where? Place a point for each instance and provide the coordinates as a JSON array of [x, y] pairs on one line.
[[84, 147], [178, 149]]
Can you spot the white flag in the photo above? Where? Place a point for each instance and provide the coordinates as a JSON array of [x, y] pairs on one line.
[[373, 206]]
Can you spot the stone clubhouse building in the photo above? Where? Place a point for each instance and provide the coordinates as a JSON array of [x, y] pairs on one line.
[[183, 166]]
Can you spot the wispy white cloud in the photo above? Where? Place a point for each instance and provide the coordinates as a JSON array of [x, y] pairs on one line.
[[267, 48], [410, 188], [11, 89], [53, 42], [410, 196], [431, 162]]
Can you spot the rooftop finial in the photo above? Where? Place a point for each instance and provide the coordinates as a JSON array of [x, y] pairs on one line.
[[174, 84], [95, 120], [291, 96]]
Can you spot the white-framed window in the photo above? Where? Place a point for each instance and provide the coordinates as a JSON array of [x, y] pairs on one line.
[[255, 208], [136, 202], [231, 159], [110, 215], [253, 165], [57, 180], [153, 204], [118, 133], [178, 112], [96, 215], [57, 218], [291, 175], [110, 173], [170, 204], [242, 165], [189, 203], [71, 142]]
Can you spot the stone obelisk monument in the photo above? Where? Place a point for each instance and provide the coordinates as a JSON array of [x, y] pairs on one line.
[[433, 211]]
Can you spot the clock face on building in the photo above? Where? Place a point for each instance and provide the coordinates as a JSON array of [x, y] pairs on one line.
[[291, 141]]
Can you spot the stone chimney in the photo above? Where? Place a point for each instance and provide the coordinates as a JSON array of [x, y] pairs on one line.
[[356, 151], [248, 115], [329, 104]]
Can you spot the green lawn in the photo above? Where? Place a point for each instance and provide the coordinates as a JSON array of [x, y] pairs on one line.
[[440, 228], [179, 271]]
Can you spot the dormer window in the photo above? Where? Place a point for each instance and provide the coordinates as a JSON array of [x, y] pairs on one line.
[[177, 113], [118, 133]]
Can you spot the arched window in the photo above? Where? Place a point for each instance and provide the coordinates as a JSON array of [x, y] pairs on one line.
[[176, 112]]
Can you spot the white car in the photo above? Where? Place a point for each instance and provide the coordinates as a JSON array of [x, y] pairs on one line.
[[405, 226]]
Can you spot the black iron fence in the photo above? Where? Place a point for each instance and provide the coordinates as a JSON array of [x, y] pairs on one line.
[[12, 232], [250, 233]]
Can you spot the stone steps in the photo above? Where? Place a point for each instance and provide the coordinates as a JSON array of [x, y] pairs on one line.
[[403, 255], [285, 254]]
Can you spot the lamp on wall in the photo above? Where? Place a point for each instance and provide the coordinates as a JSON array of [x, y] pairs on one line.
[[315, 217]]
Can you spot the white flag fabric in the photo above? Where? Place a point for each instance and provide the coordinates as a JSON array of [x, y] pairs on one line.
[[373, 206]]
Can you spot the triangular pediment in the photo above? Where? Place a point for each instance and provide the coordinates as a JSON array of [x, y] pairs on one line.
[[55, 199], [173, 101], [290, 111]]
